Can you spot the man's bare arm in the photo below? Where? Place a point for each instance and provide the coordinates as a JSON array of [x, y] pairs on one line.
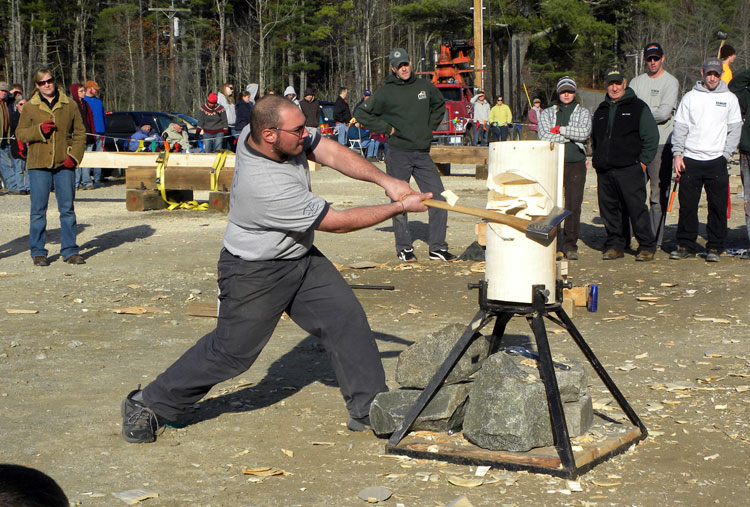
[[366, 216], [347, 162]]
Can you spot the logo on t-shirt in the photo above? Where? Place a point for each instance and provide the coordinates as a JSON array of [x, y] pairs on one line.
[[422, 95], [654, 93], [721, 104], [310, 210]]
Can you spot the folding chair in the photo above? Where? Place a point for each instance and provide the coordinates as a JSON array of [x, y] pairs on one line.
[[354, 134]]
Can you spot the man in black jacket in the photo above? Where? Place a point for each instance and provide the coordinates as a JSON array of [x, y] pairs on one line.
[[310, 107], [625, 139], [341, 114]]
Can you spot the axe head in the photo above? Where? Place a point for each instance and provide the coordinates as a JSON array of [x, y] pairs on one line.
[[721, 35], [544, 228]]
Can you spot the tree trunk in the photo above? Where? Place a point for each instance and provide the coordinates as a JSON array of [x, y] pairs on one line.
[[131, 62], [221, 6], [18, 70], [142, 62], [289, 59], [158, 64]]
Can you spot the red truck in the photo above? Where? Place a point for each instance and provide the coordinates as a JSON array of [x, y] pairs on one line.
[[451, 76]]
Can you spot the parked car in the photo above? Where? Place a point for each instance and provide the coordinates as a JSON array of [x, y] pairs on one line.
[[327, 125], [122, 124]]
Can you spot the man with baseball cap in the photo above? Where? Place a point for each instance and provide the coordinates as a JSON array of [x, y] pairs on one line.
[[481, 118], [408, 109], [707, 129], [625, 139], [659, 90]]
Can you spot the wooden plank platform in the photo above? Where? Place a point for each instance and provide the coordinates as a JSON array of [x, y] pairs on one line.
[[603, 440], [177, 177]]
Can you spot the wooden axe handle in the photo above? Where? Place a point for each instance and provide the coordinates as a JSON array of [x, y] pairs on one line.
[[520, 224]]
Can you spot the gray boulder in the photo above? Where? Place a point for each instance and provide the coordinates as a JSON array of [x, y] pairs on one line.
[[444, 412], [507, 408], [418, 363]]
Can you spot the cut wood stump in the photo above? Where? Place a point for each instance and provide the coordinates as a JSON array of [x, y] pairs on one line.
[[443, 169], [143, 200], [218, 201], [147, 200], [579, 295]]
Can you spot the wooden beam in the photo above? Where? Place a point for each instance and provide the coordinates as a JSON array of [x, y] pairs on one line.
[[459, 154], [122, 160], [184, 178]]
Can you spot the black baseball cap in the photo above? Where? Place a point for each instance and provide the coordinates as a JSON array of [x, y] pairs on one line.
[[613, 75], [653, 49]]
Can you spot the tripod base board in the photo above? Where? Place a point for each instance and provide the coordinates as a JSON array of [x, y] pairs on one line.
[[604, 440]]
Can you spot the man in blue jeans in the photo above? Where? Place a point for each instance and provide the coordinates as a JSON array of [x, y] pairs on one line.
[[100, 127], [341, 114], [269, 266], [6, 164]]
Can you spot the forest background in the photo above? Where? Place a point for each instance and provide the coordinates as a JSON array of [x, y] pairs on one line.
[[168, 55]]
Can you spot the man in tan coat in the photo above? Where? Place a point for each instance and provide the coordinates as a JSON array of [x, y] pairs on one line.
[[52, 125]]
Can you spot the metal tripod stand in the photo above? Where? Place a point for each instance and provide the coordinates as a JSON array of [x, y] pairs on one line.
[[535, 314]]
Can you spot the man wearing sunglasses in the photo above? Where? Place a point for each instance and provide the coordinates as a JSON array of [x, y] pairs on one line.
[[269, 266], [659, 90]]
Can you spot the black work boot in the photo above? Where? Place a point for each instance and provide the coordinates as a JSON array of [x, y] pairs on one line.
[[139, 423]]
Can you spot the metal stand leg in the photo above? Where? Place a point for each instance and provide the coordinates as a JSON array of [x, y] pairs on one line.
[[549, 379], [470, 334], [499, 330], [599, 369], [535, 314]]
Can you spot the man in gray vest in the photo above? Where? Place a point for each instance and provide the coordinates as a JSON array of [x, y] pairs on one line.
[[659, 90], [269, 266]]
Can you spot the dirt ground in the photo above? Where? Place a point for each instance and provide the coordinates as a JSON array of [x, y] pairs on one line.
[[681, 359]]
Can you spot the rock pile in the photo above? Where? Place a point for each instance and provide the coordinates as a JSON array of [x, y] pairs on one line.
[[498, 400]]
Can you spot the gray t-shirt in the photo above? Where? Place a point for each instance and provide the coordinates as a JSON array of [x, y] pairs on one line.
[[661, 95], [272, 210]]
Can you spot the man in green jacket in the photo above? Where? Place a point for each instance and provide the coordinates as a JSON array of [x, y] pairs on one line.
[[408, 109]]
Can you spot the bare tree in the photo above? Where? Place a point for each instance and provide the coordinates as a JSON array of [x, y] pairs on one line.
[[268, 14]]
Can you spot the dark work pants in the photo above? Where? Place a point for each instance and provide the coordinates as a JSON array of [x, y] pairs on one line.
[[574, 180], [745, 175], [252, 297], [500, 133], [403, 165], [659, 177], [622, 196], [714, 177]]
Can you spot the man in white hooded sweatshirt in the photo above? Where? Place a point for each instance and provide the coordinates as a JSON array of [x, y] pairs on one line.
[[707, 129]]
